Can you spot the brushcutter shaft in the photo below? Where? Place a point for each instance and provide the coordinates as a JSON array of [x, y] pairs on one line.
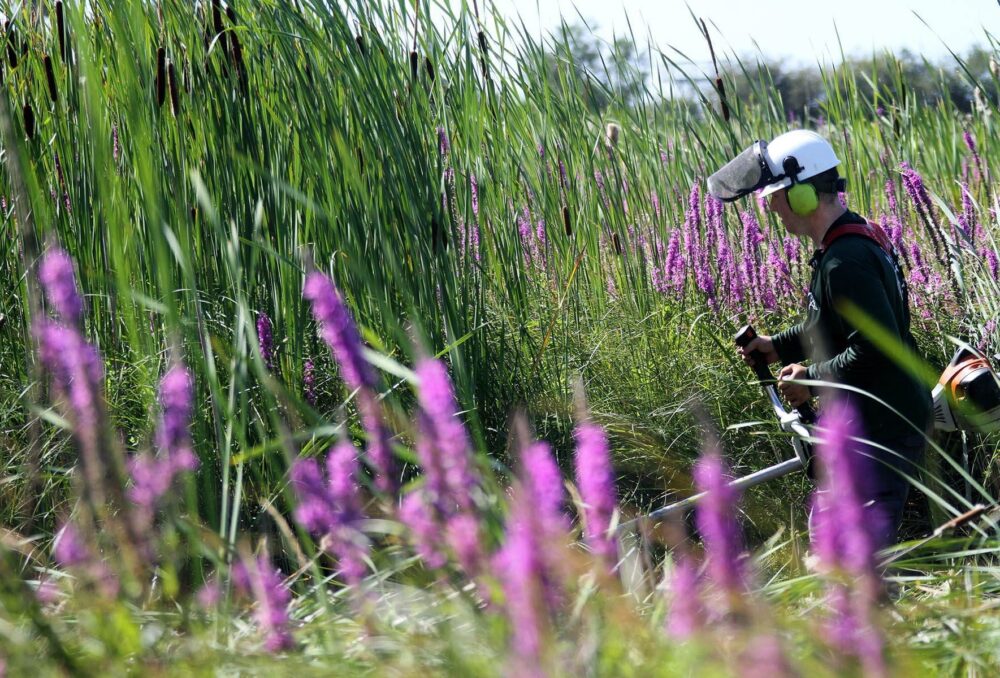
[[761, 476]]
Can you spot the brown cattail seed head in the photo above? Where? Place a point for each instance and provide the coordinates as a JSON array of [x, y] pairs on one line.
[[617, 243], [175, 97], [161, 75], [29, 121], [722, 98], [11, 40], [360, 42], [611, 133], [567, 225], [61, 27], [430, 68], [414, 61], [50, 78]]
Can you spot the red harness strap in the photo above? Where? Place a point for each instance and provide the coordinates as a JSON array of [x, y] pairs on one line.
[[870, 230]]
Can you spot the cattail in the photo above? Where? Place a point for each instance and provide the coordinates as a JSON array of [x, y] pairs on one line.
[[483, 54], [414, 62], [611, 134], [175, 98], [50, 78], [161, 76], [567, 226], [429, 65], [61, 28], [721, 89], [616, 241], [29, 121], [359, 40], [236, 44]]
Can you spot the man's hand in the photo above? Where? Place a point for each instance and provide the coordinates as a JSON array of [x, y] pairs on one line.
[[761, 343], [795, 394]]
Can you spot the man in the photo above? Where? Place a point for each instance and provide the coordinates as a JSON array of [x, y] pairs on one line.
[[853, 266]]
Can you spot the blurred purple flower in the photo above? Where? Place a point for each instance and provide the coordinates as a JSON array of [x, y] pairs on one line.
[[992, 262], [544, 485], [339, 331], [686, 614], [331, 508], [462, 534], [596, 482], [309, 381], [474, 188], [59, 284], [446, 449], [173, 436], [444, 145], [416, 513], [258, 578], [69, 549], [716, 521], [518, 567]]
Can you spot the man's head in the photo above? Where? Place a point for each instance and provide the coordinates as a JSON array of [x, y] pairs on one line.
[[800, 161]]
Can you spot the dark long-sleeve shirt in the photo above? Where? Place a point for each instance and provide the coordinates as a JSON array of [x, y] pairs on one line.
[[856, 269]]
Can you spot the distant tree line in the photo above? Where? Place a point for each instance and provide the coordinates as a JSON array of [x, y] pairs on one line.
[[601, 71]]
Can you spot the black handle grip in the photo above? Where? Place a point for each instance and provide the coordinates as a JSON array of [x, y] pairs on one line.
[[760, 368], [747, 334]]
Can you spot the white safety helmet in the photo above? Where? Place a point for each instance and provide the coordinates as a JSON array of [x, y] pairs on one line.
[[771, 166]]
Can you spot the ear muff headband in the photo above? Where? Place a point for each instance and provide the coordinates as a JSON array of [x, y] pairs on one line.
[[802, 197]]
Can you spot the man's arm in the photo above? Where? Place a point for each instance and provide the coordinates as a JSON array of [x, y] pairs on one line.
[[788, 344]]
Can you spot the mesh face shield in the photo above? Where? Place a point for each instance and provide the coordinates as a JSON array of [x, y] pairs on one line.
[[743, 175]]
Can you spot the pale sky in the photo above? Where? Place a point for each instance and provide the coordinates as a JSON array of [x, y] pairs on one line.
[[804, 31]]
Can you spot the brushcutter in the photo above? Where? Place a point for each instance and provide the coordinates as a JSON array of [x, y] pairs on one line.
[[966, 398]]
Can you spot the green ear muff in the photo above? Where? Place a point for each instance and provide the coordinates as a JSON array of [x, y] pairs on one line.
[[803, 199]]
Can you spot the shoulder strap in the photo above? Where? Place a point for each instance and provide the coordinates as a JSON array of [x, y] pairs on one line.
[[868, 229], [877, 234]]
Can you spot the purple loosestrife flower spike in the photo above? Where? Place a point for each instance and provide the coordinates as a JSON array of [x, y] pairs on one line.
[[338, 330], [518, 566], [686, 615], [173, 436], [314, 510], [256, 577], [474, 189], [69, 549], [544, 484], [341, 334], [265, 339], [309, 382], [59, 283], [596, 481], [463, 537], [446, 433], [717, 524], [416, 513], [444, 146]]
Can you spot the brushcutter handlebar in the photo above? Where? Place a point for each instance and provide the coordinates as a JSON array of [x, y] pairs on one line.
[[743, 338]]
